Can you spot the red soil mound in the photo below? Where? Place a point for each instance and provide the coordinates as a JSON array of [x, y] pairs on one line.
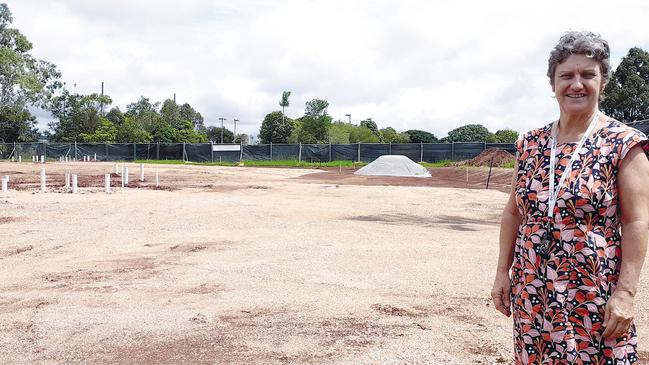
[[500, 158]]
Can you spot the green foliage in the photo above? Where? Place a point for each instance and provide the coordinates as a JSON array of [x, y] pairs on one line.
[[214, 135], [626, 97], [17, 125], [506, 136], [362, 135], [390, 135], [316, 108], [105, 132], [76, 114], [371, 125], [24, 81], [339, 132], [419, 136], [469, 133], [284, 103], [275, 128], [241, 138], [130, 132], [116, 116], [314, 129]]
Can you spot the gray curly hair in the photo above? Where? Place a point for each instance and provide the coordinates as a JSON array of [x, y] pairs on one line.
[[581, 42]]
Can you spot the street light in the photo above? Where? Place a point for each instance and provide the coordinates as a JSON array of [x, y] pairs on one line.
[[350, 117], [234, 136], [222, 119]]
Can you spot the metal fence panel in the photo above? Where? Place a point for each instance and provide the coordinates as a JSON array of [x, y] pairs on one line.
[[286, 151], [315, 152], [344, 152], [370, 152], [410, 150]]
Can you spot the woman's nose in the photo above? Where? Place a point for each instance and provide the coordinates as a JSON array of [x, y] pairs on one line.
[[576, 84]]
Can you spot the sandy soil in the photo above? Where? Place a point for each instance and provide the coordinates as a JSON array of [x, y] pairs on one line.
[[250, 266]]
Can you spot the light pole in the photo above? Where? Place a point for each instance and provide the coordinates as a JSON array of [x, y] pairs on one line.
[[350, 117], [234, 137], [222, 119]]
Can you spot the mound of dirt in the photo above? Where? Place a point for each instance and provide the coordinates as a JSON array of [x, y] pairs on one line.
[[500, 158]]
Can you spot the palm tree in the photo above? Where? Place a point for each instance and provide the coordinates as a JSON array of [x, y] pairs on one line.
[[284, 102]]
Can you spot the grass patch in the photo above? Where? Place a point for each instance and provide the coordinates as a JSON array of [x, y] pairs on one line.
[[251, 163], [442, 163]]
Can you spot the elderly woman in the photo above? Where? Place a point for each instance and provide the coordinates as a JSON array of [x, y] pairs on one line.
[[574, 231]]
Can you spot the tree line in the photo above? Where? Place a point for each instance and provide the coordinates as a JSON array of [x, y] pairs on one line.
[[27, 83]]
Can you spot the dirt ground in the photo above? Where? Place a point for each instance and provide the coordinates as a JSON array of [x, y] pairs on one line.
[[233, 265]]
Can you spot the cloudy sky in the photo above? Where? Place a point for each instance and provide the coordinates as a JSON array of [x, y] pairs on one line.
[[430, 65]]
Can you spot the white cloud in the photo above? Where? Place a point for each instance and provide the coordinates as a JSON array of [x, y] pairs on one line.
[[409, 64]]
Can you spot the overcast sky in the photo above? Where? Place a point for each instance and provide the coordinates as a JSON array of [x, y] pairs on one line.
[[430, 65]]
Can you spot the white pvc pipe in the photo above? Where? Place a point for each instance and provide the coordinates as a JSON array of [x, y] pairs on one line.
[[5, 183], [33, 159], [126, 175], [67, 180], [156, 179], [123, 167], [6, 177], [141, 172], [107, 183], [74, 184], [95, 157], [42, 158], [43, 179], [116, 169], [20, 158]]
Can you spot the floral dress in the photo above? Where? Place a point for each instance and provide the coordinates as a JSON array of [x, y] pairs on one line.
[[559, 293]]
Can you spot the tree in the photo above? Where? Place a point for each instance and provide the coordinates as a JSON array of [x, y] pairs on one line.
[[130, 132], [214, 134], [17, 125], [106, 132], [24, 81], [362, 135], [419, 136], [316, 108], [469, 133], [626, 97], [390, 135], [314, 129], [339, 132], [187, 134], [275, 128], [116, 116], [284, 103], [241, 138], [371, 125], [506, 136], [76, 114]]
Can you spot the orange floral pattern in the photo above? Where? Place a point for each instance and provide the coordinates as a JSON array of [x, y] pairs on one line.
[[559, 294]]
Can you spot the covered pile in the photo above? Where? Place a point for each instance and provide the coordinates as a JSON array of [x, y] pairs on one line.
[[394, 165]]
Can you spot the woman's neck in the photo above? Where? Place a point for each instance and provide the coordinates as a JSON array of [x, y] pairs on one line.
[[572, 127]]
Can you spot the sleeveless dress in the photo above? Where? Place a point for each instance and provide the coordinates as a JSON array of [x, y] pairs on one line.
[[559, 293]]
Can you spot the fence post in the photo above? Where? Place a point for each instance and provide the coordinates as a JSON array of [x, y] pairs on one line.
[[421, 151], [390, 148], [485, 146], [157, 151], [452, 151], [212, 151], [45, 150], [184, 152], [134, 152], [329, 151], [106, 145], [271, 151], [240, 151], [299, 154], [75, 150], [359, 152]]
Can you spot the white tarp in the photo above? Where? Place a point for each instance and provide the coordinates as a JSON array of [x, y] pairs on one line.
[[394, 165]]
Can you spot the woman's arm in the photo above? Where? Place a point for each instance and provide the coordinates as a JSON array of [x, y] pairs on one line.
[[509, 223], [633, 175]]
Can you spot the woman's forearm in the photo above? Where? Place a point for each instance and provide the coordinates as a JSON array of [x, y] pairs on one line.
[[634, 247], [508, 231]]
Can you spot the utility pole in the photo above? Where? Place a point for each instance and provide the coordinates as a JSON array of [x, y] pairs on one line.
[[234, 138], [222, 119], [102, 98], [350, 117]]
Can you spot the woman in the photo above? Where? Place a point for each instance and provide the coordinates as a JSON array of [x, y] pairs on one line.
[[574, 231]]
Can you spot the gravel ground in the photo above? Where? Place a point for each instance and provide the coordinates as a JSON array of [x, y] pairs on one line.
[[249, 266]]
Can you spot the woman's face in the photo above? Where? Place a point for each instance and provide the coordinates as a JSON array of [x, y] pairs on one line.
[[577, 84]]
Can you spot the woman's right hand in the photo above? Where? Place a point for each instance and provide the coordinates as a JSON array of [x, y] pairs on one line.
[[500, 293]]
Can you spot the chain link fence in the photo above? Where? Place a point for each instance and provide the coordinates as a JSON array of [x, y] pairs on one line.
[[209, 152]]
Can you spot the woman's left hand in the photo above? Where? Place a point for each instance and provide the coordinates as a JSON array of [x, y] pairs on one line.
[[618, 314]]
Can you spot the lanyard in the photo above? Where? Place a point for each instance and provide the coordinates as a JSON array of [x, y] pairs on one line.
[[554, 191]]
